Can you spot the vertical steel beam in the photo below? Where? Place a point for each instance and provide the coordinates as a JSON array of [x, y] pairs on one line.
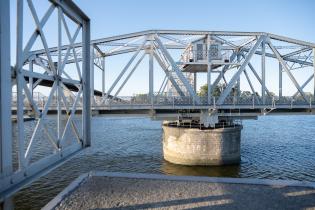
[[5, 91], [86, 110], [30, 79], [209, 63], [59, 67], [238, 83], [20, 78], [314, 73], [92, 73], [280, 80], [103, 77], [195, 82], [151, 81], [263, 71]]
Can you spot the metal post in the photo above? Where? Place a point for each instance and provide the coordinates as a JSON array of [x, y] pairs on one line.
[[92, 73], [238, 83], [263, 72], [280, 80], [314, 72], [5, 91], [209, 71], [195, 82], [103, 77], [58, 67], [30, 79], [20, 78], [151, 96], [86, 111]]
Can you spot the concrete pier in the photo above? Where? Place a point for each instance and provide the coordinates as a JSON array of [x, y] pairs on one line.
[[207, 146], [105, 190]]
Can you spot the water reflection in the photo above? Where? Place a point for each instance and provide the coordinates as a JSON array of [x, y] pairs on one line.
[[279, 147], [212, 171]]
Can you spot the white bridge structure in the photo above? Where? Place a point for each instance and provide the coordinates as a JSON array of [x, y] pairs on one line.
[[66, 71]]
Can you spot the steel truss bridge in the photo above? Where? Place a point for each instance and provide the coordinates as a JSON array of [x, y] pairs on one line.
[[228, 59]]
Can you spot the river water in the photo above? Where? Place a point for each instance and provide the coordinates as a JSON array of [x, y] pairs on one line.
[[272, 147]]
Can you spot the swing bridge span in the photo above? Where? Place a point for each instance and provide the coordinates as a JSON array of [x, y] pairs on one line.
[[67, 71]]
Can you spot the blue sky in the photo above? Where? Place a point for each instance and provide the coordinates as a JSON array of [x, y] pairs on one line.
[[284, 17]]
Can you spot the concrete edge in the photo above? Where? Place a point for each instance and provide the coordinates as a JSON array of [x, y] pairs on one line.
[[66, 191], [250, 181]]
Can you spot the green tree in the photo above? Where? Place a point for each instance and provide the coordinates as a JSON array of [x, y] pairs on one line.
[[216, 91]]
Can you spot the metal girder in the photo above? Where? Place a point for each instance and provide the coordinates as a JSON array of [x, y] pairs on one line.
[[129, 75], [304, 85], [169, 76], [29, 170], [5, 91], [125, 68], [225, 68], [178, 71], [256, 75], [270, 55], [263, 71], [284, 65], [228, 88]]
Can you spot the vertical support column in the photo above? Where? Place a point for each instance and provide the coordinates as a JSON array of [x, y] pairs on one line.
[[151, 81], [103, 77], [92, 73], [314, 73], [30, 79], [86, 110], [238, 83], [58, 67], [263, 72], [5, 91], [209, 71], [280, 80], [195, 82], [19, 86]]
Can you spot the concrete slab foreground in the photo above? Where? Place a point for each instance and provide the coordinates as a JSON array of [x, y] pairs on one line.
[[105, 190]]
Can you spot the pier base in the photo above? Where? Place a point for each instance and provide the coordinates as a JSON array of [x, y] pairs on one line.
[[187, 145]]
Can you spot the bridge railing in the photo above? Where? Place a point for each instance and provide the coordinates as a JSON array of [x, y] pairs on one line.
[[162, 100]]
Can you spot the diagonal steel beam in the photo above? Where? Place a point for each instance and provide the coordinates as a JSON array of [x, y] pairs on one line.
[[285, 67], [256, 75], [129, 75], [179, 73], [169, 76], [304, 85], [229, 87], [125, 68], [251, 86], [225, 68]]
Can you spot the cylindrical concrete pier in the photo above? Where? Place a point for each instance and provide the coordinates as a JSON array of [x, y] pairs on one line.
[[194, 146]]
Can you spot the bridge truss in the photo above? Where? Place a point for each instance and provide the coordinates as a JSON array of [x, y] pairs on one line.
[[242, 50], [20, 162]]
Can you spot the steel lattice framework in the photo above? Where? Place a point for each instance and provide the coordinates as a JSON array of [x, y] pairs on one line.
[[15, 174], [238, 47]]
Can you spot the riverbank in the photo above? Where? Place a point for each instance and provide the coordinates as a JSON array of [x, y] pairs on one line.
[[142, 191]]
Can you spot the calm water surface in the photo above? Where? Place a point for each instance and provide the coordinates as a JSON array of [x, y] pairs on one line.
[[280, 147]]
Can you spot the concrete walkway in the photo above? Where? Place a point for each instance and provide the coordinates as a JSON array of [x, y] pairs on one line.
[[101, 190]]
